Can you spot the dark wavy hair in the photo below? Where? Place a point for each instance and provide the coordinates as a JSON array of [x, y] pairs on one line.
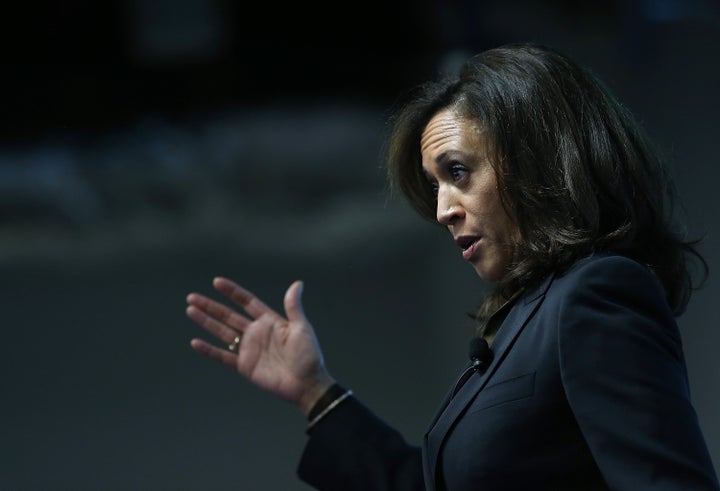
[[575, 171]]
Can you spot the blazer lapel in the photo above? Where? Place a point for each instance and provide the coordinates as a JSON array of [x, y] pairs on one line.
[[453, 407]]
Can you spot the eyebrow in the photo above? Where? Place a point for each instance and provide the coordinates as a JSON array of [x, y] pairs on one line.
[[441, 157], [448, 154], [444, 157]]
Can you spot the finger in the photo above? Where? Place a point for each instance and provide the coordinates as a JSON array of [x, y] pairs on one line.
[[218, 311], [218, 329], [293, 302], [224, 357], [249, 302]]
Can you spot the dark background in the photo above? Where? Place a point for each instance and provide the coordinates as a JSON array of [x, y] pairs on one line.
[[147, 146]]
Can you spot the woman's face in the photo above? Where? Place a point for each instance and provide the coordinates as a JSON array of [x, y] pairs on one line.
[[454, 160]]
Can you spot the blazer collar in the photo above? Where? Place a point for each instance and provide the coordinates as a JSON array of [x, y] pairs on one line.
[[454, 406]]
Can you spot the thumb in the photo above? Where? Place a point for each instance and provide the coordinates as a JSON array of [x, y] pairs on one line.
[[293, 302]]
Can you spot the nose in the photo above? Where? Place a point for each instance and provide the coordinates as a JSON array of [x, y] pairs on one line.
[[448, 209]]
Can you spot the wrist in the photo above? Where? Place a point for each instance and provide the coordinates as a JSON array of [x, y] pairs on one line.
[[314, 394], [333, 397]]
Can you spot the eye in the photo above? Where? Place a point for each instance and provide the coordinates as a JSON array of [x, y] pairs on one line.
[[457, 171], [434, 188]]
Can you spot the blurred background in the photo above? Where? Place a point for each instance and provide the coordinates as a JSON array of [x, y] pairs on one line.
[[147, 146]]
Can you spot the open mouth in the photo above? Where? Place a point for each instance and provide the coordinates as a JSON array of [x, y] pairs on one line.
[[466, 241]]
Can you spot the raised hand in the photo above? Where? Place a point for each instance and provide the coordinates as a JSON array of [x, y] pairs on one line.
[[279, 354]]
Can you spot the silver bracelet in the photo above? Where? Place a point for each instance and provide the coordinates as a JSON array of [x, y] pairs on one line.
[[330, 407]]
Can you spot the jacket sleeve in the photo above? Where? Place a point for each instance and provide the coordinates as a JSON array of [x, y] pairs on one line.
[[351, 449], [625, 378]]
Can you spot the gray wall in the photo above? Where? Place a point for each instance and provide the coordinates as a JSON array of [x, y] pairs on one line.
[[101, 389]]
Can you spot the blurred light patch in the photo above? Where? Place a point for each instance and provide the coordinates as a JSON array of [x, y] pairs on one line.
[[177, 30]]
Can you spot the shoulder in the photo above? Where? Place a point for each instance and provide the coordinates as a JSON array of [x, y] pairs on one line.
[[605, 264], [608, 274], [610, 291], [606, 286]]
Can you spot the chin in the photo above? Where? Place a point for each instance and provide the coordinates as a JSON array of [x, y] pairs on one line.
[[489, 274], [486, 276]]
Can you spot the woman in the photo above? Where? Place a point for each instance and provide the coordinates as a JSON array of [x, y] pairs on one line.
[[549, 188]]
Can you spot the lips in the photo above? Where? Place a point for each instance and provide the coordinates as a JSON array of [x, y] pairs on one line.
[[468, 243]]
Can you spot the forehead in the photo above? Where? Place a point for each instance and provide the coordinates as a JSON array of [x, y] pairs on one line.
[[449, 130], [443, 125]]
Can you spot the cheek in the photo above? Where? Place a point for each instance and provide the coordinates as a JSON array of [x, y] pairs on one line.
[[487, 205], [504, 224], [498, 223], [511, 237]]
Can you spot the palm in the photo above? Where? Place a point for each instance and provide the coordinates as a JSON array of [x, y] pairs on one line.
[[278, 356], [277, 353]]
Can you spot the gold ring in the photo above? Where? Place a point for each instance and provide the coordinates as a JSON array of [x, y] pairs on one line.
[[234, 346]]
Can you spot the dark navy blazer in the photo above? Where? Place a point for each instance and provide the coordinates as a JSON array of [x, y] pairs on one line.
[[587, 390]]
